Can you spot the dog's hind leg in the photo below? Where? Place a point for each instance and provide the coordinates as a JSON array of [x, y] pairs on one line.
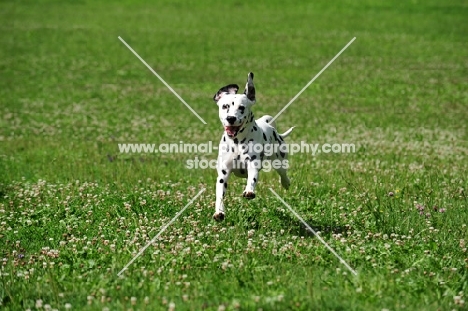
[[285, 182]]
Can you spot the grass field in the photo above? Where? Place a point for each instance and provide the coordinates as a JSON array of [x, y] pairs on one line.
[[74, 211]]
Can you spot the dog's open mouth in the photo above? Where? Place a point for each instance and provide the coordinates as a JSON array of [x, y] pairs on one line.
[[232, 130]]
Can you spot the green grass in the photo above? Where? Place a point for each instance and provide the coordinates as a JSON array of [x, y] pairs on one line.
[[73, 211]]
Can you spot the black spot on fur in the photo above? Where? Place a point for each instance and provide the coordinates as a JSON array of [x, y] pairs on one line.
[[243, 141], [224, 138], [224, 172], [221, 181], [247, 159], [251, 140], [232, 149], [246, 151], [282, 154], [255, 179], [233, 103], [264, 136], [229, 89], [274, 134], [242, 172], [254, 157], [267, 121], [225, 185], [254, 128], [236, 141], [242, 130], [251, 118]]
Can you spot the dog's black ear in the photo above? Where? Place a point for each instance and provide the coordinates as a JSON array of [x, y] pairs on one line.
[[228, 89], [249, 87]]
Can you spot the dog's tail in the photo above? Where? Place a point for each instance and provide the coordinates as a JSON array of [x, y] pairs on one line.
[[286, 134]]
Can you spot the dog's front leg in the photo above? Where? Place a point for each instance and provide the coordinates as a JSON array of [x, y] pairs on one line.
[[252, 179], [221, 187]]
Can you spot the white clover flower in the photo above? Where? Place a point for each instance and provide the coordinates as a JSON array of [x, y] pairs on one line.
[[39, 304]]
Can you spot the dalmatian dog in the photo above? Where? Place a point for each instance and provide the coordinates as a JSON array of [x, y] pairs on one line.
[[243, 146]]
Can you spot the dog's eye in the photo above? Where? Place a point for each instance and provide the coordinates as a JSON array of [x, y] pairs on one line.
[[242, 108], [225, 106]]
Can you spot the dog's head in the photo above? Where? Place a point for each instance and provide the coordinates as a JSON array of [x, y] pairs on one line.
[[234, 109]]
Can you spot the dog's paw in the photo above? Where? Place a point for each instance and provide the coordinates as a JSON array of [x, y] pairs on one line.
[[249, 195], [285, 182], [218, 216]]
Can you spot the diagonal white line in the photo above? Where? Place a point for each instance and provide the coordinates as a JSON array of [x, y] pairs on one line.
[[159, 77], [315, 233], [313, 79], [161, 231]]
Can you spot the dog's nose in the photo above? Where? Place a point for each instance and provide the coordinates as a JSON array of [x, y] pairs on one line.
[[231, 119]]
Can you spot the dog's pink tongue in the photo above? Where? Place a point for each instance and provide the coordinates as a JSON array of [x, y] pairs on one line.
[[230, 130]]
